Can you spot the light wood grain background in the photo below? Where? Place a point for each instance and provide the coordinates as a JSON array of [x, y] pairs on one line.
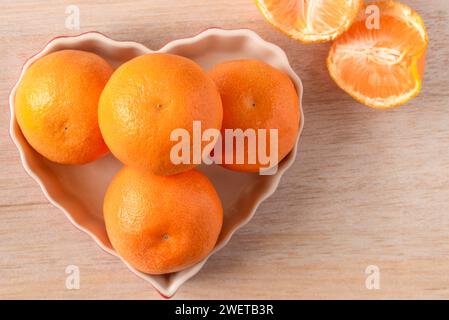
[[368, 187]]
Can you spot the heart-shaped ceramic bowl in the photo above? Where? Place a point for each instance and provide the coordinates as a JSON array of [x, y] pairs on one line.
[[78, 190]]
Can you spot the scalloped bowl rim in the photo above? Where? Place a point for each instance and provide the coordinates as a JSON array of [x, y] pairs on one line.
[[97, 36]]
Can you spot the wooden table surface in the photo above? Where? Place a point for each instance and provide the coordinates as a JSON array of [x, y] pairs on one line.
[[368, 187]]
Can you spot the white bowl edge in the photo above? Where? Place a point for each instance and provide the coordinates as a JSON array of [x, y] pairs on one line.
[[171, 289]]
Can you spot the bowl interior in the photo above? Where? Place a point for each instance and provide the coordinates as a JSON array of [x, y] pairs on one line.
[[78, 190]]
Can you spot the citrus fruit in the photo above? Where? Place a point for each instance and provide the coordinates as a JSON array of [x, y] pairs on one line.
[[257, 96], [381, 67], [310, 20], [149, 97], [162, 224], [56, 106]]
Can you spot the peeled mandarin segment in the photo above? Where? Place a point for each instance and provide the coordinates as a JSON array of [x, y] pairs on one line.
[[310, 20], [381, 67]]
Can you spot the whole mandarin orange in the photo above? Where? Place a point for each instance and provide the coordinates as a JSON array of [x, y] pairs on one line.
[[256, 96], [162, 224], [146, 99], [56, 106]]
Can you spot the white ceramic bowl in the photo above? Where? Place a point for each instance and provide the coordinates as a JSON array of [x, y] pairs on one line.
[[78, 190]]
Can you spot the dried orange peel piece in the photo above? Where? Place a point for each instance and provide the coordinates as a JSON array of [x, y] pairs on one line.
[[310, 21], [381, 65]]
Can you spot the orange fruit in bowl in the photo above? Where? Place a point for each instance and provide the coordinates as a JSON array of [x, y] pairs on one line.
[[56, 106], [381, 67], [257, 96], [162, 224], [149, 97], [310, 21]]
